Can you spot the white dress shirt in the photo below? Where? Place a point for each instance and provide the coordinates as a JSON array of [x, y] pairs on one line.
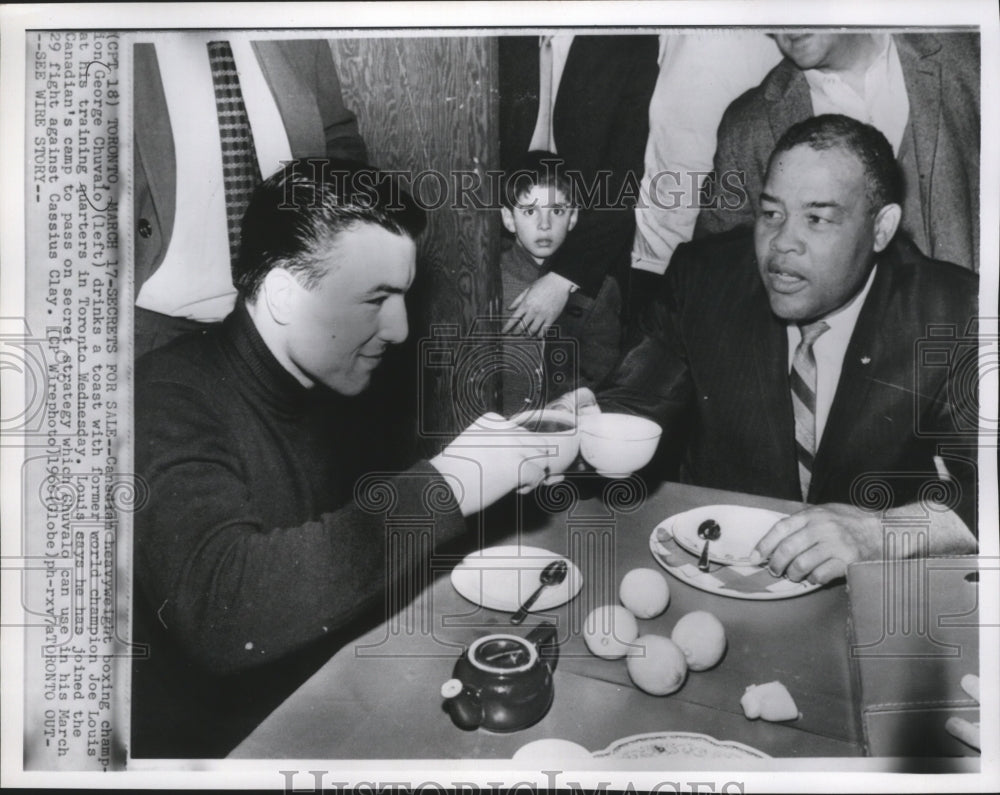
[[195, 280], [883, 103]]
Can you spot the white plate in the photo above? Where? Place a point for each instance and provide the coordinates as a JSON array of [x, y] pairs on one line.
[[501, 578], [677, 745], [741, 527], [738, 582]]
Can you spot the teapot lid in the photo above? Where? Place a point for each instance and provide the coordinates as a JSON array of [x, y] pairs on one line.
[[502, 654]]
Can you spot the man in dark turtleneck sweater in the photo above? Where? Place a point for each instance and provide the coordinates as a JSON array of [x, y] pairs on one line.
[[256, 551]]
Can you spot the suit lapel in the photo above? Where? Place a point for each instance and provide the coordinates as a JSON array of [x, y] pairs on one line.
[[301, 118], [915, 221], [865, 357], [922, 75], [788, 99], [770, 347]]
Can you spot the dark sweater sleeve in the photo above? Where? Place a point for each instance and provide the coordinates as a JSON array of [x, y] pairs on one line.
[[236, 593]]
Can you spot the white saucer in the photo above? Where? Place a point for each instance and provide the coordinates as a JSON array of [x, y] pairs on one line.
[[501, 578]]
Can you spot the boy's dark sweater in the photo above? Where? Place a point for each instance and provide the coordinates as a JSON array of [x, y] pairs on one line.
[[262, 546], [591, 326]]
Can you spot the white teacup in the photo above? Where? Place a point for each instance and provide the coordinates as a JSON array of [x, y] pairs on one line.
[[616, 445]]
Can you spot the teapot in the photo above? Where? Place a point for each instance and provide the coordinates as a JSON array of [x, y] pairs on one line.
[[503, 682]]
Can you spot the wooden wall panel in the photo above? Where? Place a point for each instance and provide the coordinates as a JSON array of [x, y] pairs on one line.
[[429, 105]]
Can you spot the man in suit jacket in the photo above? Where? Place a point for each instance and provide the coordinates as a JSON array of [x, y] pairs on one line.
[[713, 360], [303, 81], [600, 124], [938, 154]]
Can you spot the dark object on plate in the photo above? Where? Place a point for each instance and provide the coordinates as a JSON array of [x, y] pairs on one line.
[[503, 682], [553, 574], [710, 531]]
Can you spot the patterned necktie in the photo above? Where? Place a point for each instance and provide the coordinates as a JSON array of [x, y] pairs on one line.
[[803, 385], [241, 174]]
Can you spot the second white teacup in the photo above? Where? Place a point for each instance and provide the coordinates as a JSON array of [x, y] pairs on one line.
[[616, 445]]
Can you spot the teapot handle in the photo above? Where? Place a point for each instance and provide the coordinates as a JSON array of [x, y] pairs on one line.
[[544, 638]]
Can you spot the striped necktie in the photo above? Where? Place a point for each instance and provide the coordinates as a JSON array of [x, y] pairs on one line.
[[803, 386], [241, 174]]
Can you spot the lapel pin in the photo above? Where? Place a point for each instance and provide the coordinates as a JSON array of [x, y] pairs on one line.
[[866, 359]]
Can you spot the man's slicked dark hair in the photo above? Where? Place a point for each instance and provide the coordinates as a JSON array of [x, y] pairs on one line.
[[883, 180], [295, 216]]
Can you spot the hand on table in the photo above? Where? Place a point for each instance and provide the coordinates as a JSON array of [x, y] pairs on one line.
[[818, 543], [484, 462], [964, 730], [538, 307]]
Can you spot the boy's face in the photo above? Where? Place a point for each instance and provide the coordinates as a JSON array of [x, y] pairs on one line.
[[541, 220]]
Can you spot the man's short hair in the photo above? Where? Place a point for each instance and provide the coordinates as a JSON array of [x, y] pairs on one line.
[[883, 181], [537, 168], [296, 214]]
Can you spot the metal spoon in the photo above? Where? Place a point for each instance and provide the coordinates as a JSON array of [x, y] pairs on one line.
[[710, 531], [553, 574]]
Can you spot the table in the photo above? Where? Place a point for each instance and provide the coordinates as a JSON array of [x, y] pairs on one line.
[[379, 697]]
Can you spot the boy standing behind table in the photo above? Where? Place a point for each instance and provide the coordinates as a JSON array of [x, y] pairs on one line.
[[583, 344]]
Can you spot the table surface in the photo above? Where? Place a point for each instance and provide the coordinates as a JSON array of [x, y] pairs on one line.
[[379, 697]]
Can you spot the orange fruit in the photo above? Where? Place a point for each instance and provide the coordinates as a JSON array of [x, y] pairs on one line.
[[645, 592], [657, 665], [702, 638], [609, 631]]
